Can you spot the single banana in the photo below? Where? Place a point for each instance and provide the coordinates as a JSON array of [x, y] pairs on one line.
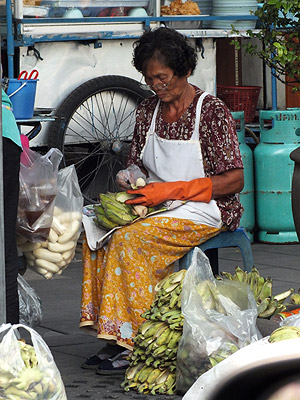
[[270, 310], [153, 375], [240, 275], [259, 284], [174, 299], [171, 313], [145, 327], [174, 339], [284, 295], [175, 318], [160, 350], [263, 305], [162, 338], [266, 290], [98, 209], [145, 373]]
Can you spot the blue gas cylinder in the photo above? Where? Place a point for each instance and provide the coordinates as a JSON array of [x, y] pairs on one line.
[[279, 136], [247, 194]]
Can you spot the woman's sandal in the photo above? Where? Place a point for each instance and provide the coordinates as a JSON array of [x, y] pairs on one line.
[[114, 366], [107, 352]]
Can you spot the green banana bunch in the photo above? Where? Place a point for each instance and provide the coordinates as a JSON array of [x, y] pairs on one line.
[[261, 288], [284, 333], [113, 212]]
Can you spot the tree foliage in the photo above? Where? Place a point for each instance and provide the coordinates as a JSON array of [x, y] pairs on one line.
[[279, 34]]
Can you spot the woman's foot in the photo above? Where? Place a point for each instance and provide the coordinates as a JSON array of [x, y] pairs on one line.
[[108, 351], [116, 365]]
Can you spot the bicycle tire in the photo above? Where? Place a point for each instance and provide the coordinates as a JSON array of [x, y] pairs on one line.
[[94, 130]]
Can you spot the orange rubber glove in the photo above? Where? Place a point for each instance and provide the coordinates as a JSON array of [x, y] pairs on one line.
[[157, 192]]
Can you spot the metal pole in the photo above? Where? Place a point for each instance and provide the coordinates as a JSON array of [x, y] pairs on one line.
[[2, 257], [10, 39], [274, 90]]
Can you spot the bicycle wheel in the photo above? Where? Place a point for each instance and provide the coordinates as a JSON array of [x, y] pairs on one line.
[[94, 130]]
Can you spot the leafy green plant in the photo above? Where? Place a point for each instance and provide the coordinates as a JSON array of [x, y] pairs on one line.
[[279, 34]]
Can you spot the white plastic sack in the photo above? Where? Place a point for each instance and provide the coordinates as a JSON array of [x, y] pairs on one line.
[[219, 318], [51, 257], [251, 355], [41, 381]]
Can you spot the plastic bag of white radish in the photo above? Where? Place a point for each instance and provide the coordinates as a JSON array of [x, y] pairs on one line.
[[55, 254]]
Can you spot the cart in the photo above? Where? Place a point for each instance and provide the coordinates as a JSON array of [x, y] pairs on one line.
[[82, 50]]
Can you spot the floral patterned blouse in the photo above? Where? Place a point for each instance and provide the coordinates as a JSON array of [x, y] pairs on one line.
[[218, 138]]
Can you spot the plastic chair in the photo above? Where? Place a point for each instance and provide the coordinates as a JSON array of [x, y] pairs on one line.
[[237, 238]]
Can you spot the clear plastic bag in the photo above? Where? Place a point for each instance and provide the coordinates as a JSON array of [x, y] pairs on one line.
[[38, 187], [128, 176], [219, 318], [30, 306], [55, 254], [27, 370]]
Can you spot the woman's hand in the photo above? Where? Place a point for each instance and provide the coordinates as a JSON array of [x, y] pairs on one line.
[[127, 177], [158, 192]]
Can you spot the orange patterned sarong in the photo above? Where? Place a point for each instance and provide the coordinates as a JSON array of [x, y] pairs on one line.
[[119, 280]]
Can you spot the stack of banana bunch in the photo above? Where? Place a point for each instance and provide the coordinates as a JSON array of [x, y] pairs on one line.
[[31, 382], [261, 288], [152, 366], [113, 212]]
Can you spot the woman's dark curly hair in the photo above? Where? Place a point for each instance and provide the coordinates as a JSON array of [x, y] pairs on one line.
[[168, 46]]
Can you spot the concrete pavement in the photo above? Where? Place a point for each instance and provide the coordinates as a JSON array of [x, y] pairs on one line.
[[70, 347]]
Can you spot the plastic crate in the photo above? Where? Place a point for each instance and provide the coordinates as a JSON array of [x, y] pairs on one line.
[[240, 98]]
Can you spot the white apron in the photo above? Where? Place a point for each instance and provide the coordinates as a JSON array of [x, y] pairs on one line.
[[179, 160]]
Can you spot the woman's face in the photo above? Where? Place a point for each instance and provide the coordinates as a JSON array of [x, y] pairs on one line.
[[167, 86]]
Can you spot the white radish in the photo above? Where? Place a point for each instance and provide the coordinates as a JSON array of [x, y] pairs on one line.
[[68, 254], [61, 264], [70, 232], [57, 226], [48, 255], [48, 265], [61, 247], [53, 236], [39, 270]]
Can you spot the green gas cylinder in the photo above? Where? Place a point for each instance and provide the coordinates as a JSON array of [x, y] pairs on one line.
[[247, 194], [279, 136]]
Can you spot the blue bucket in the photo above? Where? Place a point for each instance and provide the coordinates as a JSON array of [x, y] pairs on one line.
[[22, 95]]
